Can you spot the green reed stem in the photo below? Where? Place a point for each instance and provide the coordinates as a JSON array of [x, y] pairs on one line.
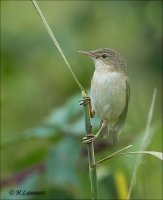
[[91, 157]]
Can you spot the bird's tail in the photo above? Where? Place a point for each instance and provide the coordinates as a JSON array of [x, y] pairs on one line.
[[114, 137], [114, 132], [111, 132]]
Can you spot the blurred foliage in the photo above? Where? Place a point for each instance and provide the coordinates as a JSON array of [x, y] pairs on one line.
[[41, 119]]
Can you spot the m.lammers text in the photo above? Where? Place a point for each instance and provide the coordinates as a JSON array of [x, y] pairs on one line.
[[25, 192]]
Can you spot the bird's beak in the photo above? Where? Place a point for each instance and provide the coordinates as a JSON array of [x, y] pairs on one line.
[[88, 53]]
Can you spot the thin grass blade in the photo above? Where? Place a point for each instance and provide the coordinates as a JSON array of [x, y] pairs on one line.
[[144, 143], [55, 41]]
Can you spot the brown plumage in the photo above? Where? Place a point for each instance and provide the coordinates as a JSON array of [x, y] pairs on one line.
[[110, 91]]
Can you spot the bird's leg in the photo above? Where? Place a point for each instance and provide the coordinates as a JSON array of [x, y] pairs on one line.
[[84, 101], [87, 100], [91, 138]]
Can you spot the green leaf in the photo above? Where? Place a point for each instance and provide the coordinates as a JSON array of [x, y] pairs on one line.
[[65, 113], [41, 132], [77, 128], [62, 160], [63, 119]]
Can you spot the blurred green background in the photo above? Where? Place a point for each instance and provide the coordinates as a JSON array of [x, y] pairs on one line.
[[42, 125]]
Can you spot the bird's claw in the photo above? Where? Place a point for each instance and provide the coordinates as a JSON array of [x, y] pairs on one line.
[[89, 138], [84, 101]]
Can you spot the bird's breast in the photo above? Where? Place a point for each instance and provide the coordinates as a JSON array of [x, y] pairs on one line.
[[108, 94]]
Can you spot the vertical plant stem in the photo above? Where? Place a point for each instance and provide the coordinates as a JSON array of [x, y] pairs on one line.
[[91, 158], [90, 148]]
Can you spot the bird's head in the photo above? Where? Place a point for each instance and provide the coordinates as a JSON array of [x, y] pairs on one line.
[[106, 59]]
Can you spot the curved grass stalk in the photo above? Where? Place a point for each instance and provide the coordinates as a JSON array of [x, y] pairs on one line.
[[55, 41], [144, 143], [90, 147]]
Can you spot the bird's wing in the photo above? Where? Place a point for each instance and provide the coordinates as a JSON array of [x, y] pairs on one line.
[[118, 126], [123, 116]]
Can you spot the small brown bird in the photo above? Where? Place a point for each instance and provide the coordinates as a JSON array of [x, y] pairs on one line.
[[110, 92]]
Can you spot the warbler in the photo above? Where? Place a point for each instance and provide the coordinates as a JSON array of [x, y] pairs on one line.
[[110, 92]]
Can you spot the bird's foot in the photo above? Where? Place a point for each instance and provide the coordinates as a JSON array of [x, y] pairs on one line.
[[85, 101], [89, 138]]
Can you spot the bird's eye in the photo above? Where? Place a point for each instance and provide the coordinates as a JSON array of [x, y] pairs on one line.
[[104, 55]]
